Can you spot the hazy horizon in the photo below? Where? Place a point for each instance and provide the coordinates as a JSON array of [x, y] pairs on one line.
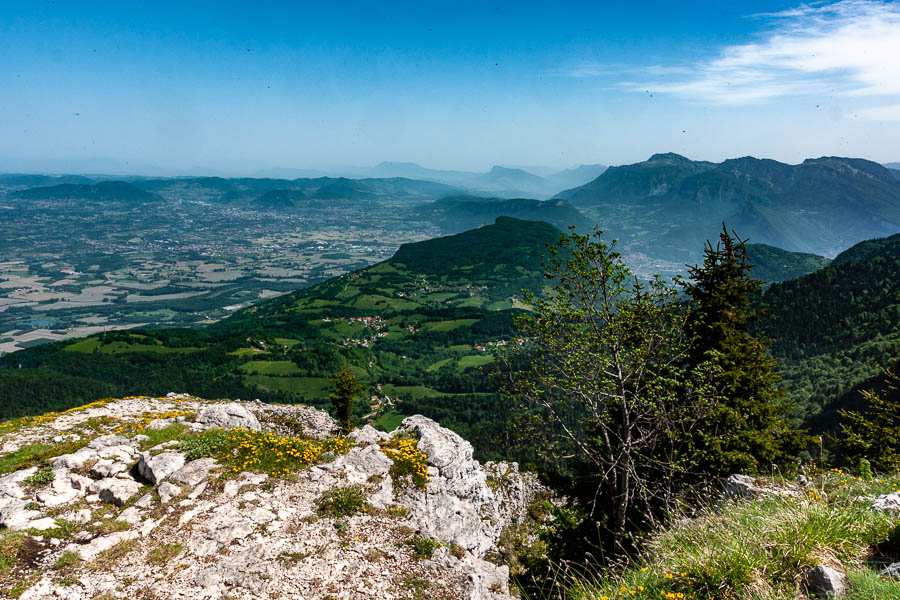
[[228, 89]]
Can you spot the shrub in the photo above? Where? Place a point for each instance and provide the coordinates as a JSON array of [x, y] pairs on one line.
[[409, 462], [175, 431], [41, 477], [278, 456], [343, 502], [245, 450], [422, 547], [208, 443]]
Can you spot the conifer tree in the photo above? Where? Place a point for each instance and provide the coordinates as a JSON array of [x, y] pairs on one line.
[[748, 428], [344, 390], [874, 434]]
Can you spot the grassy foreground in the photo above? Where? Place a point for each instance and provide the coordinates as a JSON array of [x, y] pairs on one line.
[[759, 549]]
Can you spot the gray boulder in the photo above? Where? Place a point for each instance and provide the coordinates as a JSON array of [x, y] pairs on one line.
[[228, 416], [368, 435], [66, 488], [744, 486], [15, 515], [826, 582], [105, 467], [156, 468]]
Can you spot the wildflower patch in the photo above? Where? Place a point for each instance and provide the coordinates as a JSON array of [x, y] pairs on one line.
[[409, 462], [277, 455]]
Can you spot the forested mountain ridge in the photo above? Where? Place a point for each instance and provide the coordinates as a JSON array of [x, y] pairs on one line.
[[669, 203], [883, 247], [836, 330], [104, 191], [413, 328]]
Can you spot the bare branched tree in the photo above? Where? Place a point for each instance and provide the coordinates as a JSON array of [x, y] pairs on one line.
[[604, 383]]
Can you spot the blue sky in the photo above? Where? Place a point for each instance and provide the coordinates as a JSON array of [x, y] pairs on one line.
[[237, 87]]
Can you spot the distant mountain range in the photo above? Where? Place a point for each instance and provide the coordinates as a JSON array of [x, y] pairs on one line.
[[501, 181], [667, 205], [459, 213], [104, 191]]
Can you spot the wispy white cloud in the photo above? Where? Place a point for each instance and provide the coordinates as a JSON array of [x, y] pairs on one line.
[[845, 48]]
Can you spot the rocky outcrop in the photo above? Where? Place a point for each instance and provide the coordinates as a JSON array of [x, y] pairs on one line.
[[206, 528], [745, 486]]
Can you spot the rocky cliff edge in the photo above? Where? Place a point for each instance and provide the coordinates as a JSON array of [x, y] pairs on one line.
[[179, 497]]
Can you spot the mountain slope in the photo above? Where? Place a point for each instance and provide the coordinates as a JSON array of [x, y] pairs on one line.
[[883, 247], [459, 213], [667, 205], [774, 264]]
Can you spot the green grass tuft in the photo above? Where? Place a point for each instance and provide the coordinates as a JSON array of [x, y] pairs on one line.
[[755, 549], [343, 502]]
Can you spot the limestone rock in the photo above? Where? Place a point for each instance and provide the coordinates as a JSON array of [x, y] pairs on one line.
[[66, 488], [888, 503], [41, 524], [228, 416], [131, 515], [457, 506], [105, 467], [194, 472], [368, 435], [16, 515], [255, 536], [167, 491], [90, 550], [744, 486], [156, 468], [116, 491], [145, 501]]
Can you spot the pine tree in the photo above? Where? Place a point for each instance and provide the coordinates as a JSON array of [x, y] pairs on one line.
[[345, 388], [874, 434], [748, 429]]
